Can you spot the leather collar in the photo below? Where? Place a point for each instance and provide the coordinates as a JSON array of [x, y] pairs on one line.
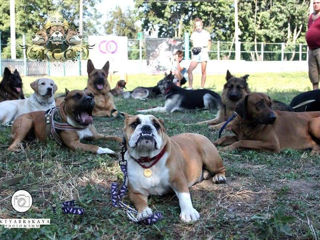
[[150, 161]]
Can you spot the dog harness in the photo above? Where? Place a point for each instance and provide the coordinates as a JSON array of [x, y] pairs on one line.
[[55, 122], [118, 193]]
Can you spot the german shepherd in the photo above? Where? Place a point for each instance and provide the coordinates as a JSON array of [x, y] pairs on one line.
[[98, 84], [11, 86], [234, 90]]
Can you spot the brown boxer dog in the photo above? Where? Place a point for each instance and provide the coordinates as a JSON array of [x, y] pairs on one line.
[[98, 84], [158, 163], [68, 124], [259, 127]]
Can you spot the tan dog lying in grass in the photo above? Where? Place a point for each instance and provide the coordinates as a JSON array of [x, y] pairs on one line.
[[259, 127], [68, 124], [158, 163]]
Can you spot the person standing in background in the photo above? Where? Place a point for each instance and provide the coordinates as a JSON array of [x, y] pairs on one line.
[[201, 42], [313, 41]]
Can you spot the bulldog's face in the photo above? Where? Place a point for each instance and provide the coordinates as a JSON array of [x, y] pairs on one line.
[[144, 133], [78, 106], [45, 87]]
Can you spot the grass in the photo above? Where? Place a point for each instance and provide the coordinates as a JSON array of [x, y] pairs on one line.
[[267, 196]]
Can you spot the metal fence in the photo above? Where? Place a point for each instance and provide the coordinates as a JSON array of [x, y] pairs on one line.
[[226, 51], [137, 51]]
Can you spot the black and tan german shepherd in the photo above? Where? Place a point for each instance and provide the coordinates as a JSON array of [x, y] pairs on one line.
[[11, 86]]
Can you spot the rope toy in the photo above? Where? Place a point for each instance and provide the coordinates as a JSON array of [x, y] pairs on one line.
[[118, 193]]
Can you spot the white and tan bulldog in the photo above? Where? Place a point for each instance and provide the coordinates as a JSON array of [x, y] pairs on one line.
[[158, 163], [41, 100]]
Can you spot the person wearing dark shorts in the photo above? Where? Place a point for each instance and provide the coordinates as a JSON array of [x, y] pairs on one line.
[[313, 41]]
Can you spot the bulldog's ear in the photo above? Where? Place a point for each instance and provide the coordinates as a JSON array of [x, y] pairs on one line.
[[241, 108], [245, 77], [55, 88], [106, 68], [90, 66], [162, 124], [34, 85], [66, 91], [228, 75], [6, 73]]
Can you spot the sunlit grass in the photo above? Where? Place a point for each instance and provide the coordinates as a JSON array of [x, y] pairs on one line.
[[262, 82]]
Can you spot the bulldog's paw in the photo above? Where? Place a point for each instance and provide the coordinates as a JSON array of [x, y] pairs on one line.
[[145, 213], [219, 178], [105, 151], [189, 215]]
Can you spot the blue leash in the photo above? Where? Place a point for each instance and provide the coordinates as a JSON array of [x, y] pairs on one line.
[[226, 123], [117, 195]]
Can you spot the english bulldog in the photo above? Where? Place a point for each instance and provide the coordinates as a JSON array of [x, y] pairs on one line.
[[67, 124], [42, 99], [158, 163]]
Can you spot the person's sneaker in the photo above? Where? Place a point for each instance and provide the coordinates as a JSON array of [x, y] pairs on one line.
[[189, 88]]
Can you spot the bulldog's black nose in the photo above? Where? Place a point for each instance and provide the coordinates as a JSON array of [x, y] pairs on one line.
[[146, 129]]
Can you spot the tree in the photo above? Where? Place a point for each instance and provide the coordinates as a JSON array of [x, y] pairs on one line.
[[273, 21], [122, 23], [173, 19]]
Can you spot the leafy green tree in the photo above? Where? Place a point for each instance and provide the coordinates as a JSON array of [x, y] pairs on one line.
[[175, 18], [122, 23], [273, 21]]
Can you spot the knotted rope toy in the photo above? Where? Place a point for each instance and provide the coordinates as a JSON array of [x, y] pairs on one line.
[[118, 193]]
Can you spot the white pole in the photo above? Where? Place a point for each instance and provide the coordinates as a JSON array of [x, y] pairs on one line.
[[236, 30], [13, 29], [81, 18]]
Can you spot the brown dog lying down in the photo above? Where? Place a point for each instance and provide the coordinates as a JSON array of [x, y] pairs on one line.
[[259, 127], [68, 124]]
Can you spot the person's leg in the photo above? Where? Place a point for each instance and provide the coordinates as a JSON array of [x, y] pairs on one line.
[[192, 66], [203, 73], [313, 68], [317, 56]]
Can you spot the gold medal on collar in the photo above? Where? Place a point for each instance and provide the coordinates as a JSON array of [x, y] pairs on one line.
[[147, 172]]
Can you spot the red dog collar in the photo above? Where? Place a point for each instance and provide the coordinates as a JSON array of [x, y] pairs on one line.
[[153, 160]]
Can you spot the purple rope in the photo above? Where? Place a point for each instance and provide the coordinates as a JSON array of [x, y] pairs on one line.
[[117, 195]]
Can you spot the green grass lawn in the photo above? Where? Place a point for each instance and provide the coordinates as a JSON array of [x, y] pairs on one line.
[[265, 82], [267, 196]]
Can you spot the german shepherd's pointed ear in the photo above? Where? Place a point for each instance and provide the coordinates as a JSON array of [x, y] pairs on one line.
[[241, 108], [6, 73], [245, 77], [228, 75], [34, 85], [106, 68], [90, 66], [66, 91], [16, 72]]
